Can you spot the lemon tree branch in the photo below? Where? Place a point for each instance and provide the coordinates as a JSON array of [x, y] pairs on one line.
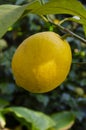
[[70, 32], [65, 30], [47, 19]]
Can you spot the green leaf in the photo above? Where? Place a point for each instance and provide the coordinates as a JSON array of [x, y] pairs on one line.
[[72, 7], [9, 14], [3, 103], [2, 120], [64, 120], [60, 7], [38, 120], [79, 115], [84, 26], [7, 88]]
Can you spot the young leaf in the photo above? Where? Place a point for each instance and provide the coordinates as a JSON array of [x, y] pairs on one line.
[[64, 120], [38, 120]]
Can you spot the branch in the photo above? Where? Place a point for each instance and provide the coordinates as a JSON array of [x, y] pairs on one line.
[[69, 32], [63, 28], [80, 63]]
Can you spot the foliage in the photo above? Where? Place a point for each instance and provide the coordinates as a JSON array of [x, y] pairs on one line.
[[13, 12], [64, 106]]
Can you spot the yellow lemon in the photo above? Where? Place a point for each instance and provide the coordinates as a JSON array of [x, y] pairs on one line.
[[41, 62]]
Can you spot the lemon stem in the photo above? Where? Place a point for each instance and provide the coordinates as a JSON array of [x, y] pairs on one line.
[[72, 33], [47, 19], [69, 32]]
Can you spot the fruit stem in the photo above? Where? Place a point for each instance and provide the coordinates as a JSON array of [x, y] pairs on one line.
[[72, 33], [69, 32], [47, 19]]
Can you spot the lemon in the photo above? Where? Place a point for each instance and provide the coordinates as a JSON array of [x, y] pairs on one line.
[[41, 62]]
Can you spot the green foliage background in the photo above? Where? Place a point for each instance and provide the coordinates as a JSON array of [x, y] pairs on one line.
[[70, 96]]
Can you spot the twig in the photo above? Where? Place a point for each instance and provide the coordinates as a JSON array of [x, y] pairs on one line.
[[69, 32], [63, 28], [79, 63]]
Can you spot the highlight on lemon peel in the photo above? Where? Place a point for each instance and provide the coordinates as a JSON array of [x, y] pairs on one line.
[[41, 62]]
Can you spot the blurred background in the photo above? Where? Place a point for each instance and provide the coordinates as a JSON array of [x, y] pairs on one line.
[[71, 95]]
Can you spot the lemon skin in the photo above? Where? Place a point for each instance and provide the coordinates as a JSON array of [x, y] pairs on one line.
[[41, 62]]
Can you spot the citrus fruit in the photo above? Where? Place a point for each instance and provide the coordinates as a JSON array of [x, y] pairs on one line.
[[41, 62]]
